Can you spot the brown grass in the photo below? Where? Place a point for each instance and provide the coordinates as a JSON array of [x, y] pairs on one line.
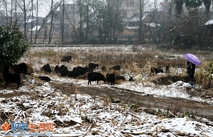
[[133, 62]]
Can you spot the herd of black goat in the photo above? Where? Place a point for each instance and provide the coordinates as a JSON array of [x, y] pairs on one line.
[[83, 72], [86, 72]]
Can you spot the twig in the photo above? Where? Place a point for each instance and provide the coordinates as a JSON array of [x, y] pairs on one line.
[[134, 115], [89, 128], [172, 114]]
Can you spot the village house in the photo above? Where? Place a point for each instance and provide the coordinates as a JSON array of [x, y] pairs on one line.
[[128, 9]]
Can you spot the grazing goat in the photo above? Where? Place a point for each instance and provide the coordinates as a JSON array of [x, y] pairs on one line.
[[95, 76], [20, 68], [110, 78], [57, 69], [117, 67], [44, 78], [66, 59], [93, 66], [78, 71], [63, 70], [9, 77], [46, 68]]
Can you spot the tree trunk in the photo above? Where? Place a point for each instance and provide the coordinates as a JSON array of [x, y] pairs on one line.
[[140, 30], [62, 26], [25, 20], [31, 32], [51, 24], [36, 25], [115, 21], [87, 22]]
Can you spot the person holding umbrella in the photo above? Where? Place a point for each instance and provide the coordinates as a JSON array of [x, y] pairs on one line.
[[192, 61], [191, 71]]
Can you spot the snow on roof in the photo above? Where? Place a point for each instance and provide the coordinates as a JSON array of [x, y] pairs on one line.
[[136, 17], [30, 20], [148, 24], [36, 27], [152, 24], [132, 27], [210, 22]]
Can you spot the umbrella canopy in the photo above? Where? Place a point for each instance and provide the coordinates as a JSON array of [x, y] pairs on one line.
[[193, 59]]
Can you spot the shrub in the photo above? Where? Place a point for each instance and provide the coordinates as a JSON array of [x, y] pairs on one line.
[[13, 44]]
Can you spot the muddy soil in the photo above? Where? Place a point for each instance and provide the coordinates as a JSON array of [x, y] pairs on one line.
[[174, 105]]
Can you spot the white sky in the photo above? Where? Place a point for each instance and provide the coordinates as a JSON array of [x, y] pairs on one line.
[[45, 5]]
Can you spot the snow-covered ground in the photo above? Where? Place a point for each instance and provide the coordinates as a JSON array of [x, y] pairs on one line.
[[104, 119], [82, 115]]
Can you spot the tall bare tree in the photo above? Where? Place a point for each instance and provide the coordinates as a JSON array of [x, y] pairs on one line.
[[140, 29], [178, 6], [62, 24], [36, 25], [46, 18], [207, 4], [24, 6], [51, 23], [32, 20]]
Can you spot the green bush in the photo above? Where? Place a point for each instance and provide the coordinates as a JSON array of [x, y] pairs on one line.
[[12, 44]]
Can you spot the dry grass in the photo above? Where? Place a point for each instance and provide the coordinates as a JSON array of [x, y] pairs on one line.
[[137, 61]]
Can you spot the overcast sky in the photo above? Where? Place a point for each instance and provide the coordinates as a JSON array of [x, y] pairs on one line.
[[44, 7]]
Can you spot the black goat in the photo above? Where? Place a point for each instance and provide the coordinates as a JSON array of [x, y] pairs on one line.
[[66, 59], [9, 77], [117, 67], [20, 68], [93, 66], [44, 78], [46, 68], [110, 78]]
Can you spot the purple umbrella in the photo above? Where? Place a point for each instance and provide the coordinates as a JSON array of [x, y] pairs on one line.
[[193, 59]]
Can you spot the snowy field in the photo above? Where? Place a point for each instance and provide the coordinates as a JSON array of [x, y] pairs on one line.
[[84, 116]]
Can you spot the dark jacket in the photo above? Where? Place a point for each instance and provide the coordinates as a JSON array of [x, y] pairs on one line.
[[190, 70]]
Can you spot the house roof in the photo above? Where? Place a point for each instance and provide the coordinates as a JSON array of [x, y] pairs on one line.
[[153, 24], [136, 17], [34, 28], [30, 20], [132, 27], [210, 22]]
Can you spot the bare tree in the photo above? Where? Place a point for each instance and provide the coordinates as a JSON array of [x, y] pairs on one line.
[[178, 7], [207, 4], [36, 25], [25, 7], [32, 17], [62, 24], [46, 18], [140, 30], [51, 23]]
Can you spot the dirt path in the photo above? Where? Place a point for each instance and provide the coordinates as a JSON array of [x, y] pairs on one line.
[[174, 105]]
